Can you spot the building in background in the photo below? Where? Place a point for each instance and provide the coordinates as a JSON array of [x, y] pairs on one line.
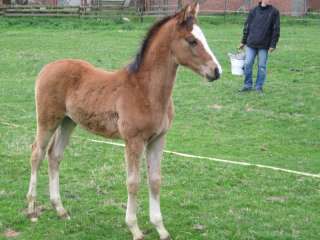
[[287, 7], [314, 5]]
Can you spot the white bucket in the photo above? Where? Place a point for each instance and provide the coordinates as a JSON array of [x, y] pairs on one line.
[[237, 63]]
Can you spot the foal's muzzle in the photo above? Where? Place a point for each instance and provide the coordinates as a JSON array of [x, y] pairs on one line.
[[213, 76]]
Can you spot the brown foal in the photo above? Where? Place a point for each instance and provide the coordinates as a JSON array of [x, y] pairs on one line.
[[134, 104]]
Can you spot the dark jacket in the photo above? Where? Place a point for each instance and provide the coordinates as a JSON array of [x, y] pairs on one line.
[[262, 28]]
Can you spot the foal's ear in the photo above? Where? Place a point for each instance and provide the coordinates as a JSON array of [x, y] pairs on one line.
[[188, 12], [195, 7], [184, 14]]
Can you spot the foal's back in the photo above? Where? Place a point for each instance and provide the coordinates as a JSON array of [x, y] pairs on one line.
[[77, 89]]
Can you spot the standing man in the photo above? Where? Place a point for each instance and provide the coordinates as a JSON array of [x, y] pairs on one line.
[[260, 36]]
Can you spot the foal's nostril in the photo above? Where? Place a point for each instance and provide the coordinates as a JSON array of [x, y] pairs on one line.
[[217, 73], [214, 75]]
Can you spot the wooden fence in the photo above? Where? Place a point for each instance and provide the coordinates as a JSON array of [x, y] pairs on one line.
[[66, 11]]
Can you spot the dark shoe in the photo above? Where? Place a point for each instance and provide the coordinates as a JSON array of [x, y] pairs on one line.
[[259, 90], [245, 89]]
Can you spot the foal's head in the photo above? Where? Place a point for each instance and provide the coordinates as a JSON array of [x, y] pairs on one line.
[[190, 47]]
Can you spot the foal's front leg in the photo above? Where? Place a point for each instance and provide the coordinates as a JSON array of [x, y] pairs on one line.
[[134, 152], [154, 155]]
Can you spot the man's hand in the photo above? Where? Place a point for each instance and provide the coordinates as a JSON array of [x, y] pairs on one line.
[[241, 46], [271, 50]]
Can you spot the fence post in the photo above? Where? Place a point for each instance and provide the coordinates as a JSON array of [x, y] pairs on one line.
[[179, 5], [141, 9], [306, 6]]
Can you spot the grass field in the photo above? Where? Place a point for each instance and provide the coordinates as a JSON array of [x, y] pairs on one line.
[[200, 199]]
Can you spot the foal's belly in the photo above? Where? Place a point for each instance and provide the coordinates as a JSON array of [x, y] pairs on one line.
[[104, 123]]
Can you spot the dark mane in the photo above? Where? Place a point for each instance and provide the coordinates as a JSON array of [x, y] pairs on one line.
[[134, 66]]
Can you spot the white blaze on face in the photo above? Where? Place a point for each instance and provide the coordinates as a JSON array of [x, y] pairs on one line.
[[198, 34]]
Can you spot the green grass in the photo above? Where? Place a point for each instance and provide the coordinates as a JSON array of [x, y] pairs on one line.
[[200, 199]]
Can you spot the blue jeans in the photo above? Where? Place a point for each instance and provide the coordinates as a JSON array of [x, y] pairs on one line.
[[251, 54]]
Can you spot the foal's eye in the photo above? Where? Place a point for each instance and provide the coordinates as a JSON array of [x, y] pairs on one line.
[[192, 41]]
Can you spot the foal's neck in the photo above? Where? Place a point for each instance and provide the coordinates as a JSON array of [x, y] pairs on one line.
[[158, 70]]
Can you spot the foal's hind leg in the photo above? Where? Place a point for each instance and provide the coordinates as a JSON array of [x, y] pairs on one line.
[[55, 154], [38, 153]]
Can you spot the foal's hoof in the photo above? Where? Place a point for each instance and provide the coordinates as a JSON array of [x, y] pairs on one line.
[[166, 238], [33, 217], [139, 238], [64, 216]]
